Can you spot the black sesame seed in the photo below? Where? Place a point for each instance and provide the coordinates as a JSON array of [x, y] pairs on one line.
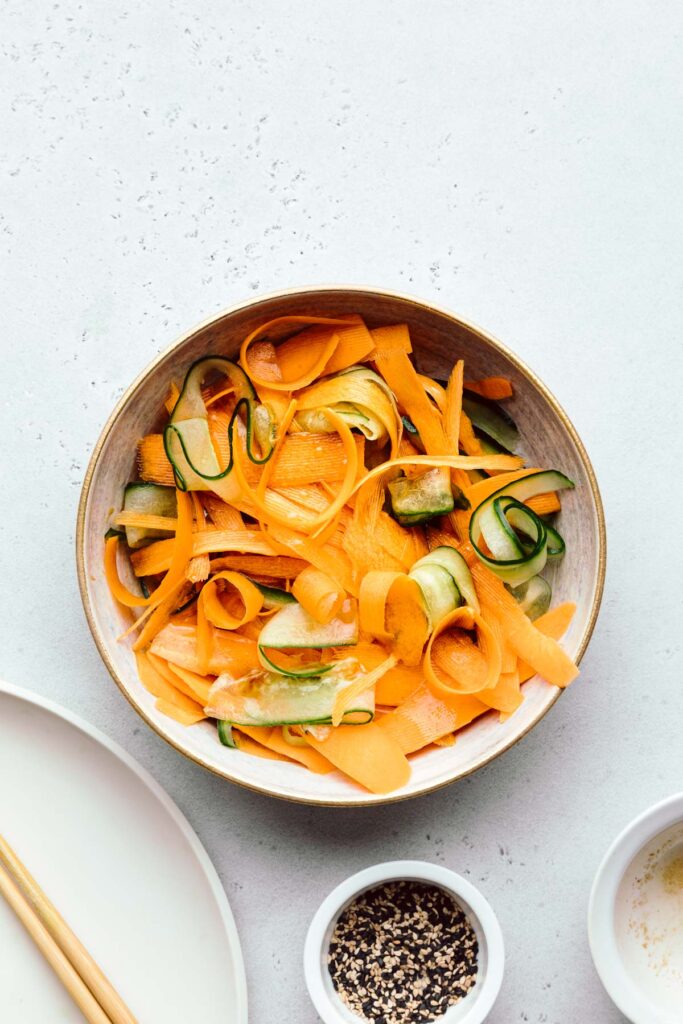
[[403, 952]]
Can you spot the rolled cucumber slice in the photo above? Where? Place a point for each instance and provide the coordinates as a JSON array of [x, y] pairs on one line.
[[187, 438], [151, 499], [455, 564], [356, 393], [534, 596], [503, 522], [441, 596]]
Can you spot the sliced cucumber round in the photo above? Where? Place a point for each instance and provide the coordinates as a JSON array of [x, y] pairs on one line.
[[534, 596]]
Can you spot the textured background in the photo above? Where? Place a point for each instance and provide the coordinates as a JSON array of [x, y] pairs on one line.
[[519, 163]]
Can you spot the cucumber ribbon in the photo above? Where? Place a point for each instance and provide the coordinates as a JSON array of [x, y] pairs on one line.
[[187, 438], [518, 542]]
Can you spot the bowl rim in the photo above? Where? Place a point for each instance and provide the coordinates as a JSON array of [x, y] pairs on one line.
[[240, 307], [602, 938], [478, 908]]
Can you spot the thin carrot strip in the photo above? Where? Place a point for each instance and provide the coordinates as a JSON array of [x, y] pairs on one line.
[[356, 345], [398, 684], [434, 390], [451, 421], [476, 493], [313, 458], [539, 651], [231, 653], [301, 374], [275, 566], [543, 504], [502, 462], [367, 754], [180, 553], [246, 744], [222, 515], [468, 439], [145, 521], [390, 607], [447, 684], [216, 612], [156, 557], [395, 338], [453, 406], [505, 696], [372, 602], [160, 687], [495, 388], [400, 374], [163, 668], [152, 461], [156, 619], [267, 471], [171, 710], [424, 718], [272, 739], [199, 685], [204, 640], [320, 595], [555, 624]]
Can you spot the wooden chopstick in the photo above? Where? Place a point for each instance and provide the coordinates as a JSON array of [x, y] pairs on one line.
[[62, 949], [70, 979]]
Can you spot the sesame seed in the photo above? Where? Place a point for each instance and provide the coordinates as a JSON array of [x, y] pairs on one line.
[[403, 953]]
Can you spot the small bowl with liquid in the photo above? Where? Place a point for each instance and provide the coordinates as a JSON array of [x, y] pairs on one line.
[[635, 917]]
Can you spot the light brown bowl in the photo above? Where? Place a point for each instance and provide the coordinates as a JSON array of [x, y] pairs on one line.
[[439, 337]]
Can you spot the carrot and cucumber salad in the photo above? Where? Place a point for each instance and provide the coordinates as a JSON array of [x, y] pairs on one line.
[[334, 557]]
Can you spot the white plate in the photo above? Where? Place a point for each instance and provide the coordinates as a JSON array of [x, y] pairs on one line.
[[125, 868]]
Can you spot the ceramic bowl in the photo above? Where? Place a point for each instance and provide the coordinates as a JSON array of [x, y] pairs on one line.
[[438, 338], [474, 1007], [635, 916]]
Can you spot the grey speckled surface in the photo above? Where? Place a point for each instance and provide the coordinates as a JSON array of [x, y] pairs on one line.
[[519, 163]]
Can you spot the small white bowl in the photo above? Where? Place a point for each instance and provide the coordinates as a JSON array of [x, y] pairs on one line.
[[630, 982], [474, 1007]]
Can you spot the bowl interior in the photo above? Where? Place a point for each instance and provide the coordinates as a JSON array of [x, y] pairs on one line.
[[438, 339]]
